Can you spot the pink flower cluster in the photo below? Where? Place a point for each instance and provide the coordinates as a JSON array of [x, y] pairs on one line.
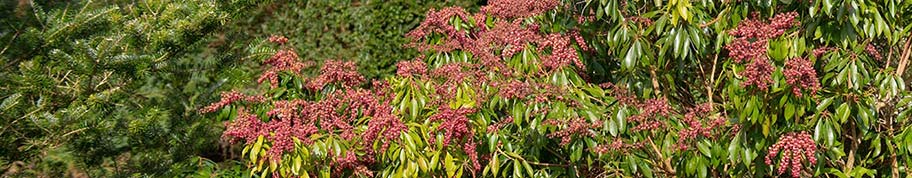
[[751, 36], [649, 111], [457, 72], [800, 74], [621, 94], [496, 126], [278, 39], [579, 40], [871, 50], [342, 72], [387, 125], [655, 107], [300, 119], [452, 76], [756, 29], [515, 89], [758, 73], [511, 36], [561, 52], [350, 161], [518, 8], [469, 148], [285, 60], [579, 126], [231, 97], [615, 146], [412, 67], [438, 22], [455, 123], [283, 131], [695, 127], [822, 50], [745, 50], [245, 127], [795, 147], [505, 37]]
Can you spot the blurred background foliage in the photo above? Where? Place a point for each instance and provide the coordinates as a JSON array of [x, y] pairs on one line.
[[111, 87]]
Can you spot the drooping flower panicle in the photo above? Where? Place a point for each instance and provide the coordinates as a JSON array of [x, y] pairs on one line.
[[573, 127], [800, 74], [230, 97], [796, 148], [758, 73]]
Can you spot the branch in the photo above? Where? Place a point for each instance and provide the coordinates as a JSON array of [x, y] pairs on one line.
[[655, 82], [9, 43], [904, 58], [667, 162], [850, 162], [704, 25], [712, 81]]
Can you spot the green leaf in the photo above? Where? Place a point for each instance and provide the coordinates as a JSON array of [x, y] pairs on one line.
[[612, 128], [577, 153], [678, 41], [621, 120], [632, 56], [691, 166], [256, 149], [789, 111], [747, 156], [704, 148], [734, 149], [528, 168], [822, 106], [414, 108], [435, 160], [296, 164], [518, 115], [517, 170], [449, 165], [494, 165], [842, 113]]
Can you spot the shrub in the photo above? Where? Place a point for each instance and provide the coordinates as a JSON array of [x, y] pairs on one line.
[[105, 88], [604, 88]]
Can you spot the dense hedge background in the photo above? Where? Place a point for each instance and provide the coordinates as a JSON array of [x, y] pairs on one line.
[[464, 88]]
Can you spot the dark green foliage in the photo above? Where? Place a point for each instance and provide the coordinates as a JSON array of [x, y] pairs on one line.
[[369, 32], [106, 88]]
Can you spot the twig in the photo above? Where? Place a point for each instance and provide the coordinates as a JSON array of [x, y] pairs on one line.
[[74, 131], [9, 43], [704, 25], [532, 162], [712, 81], [904, 59], [667, 162], [655, 82]]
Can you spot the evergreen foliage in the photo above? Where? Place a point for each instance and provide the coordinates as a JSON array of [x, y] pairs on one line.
[[112, 85]]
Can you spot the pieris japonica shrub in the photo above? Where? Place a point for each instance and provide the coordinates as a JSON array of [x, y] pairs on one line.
[[595, 89]]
